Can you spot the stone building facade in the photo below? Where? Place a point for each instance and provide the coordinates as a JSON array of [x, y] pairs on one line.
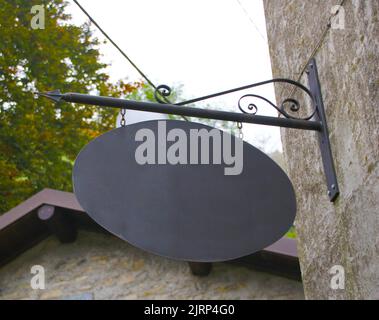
[[343, 37], [100, 266]]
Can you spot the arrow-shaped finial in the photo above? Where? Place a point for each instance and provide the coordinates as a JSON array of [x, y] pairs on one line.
[[53, 95]]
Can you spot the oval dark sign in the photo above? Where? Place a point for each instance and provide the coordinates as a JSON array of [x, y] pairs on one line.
[[184, 190]]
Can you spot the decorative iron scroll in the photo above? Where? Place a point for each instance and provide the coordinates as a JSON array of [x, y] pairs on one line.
[[163, 92]]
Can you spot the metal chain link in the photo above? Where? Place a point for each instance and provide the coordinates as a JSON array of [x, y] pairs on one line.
[[240, 126], [123, 121]]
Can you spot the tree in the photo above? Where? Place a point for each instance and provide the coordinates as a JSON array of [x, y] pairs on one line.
[[39, 140]]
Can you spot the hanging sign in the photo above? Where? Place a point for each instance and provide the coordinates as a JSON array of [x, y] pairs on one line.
[[184, 190]]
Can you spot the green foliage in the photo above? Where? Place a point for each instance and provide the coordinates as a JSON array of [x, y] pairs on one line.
[[39, 140], [291, 233]]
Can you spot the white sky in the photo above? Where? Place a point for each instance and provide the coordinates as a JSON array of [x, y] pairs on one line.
[[205, 46]]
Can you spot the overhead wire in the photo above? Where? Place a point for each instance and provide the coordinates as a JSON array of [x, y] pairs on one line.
[[115, 45], [251, 20], [143, 75]]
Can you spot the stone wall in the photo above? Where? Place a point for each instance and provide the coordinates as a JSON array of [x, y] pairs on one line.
[[99, 266], [345, 233]]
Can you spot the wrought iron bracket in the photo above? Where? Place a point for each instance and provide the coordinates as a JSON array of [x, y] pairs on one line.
[[318, 114], [315, 121]]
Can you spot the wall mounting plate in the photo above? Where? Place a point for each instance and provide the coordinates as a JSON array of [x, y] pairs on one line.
[[323, 134]]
